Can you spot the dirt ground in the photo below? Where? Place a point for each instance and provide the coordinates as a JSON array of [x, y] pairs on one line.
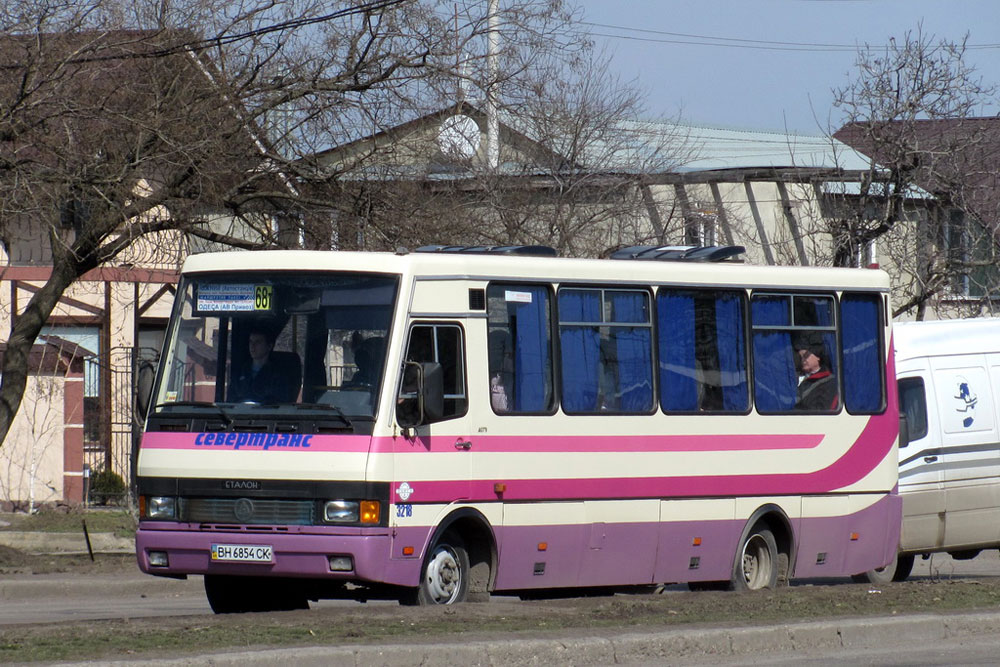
[[939, 586], [501, 617]]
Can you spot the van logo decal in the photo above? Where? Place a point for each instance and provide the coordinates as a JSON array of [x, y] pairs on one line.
[[967, 401]]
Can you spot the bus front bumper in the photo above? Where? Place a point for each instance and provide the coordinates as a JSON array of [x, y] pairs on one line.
[[348, 557]]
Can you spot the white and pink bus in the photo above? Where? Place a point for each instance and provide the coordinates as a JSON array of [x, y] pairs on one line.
[[443, 424]]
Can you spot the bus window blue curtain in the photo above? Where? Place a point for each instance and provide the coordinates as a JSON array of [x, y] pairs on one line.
[[863, 368], [532, 367], [675, 319], [580, 349], [634, 351], [730, 338], [775, 379]]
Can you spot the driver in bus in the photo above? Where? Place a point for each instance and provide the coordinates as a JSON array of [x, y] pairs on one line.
[[260, 381]]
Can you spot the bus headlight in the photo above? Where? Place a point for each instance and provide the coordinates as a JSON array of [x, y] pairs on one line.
[[341, 511], [160, 507], [352, 511]]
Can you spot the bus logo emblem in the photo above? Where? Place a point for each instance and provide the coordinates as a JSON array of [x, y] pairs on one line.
[[404, 491], [243, 509]]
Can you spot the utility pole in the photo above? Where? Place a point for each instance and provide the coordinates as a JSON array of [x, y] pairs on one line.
[[492, 117]]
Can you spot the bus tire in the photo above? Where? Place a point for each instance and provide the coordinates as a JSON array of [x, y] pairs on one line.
[[898, 570], [756, 563], [445, 575], [237, 595], [227, 595]]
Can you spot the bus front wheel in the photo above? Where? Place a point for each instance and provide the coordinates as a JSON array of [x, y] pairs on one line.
[[237, 595], [756, 564], [445, 577]]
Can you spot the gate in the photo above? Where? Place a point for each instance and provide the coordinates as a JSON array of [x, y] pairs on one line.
[[111, 444]]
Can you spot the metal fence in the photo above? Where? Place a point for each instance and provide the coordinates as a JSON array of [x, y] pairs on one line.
[[112, 426]]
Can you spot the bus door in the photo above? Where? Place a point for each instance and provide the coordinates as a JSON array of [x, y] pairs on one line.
[[433, 458]]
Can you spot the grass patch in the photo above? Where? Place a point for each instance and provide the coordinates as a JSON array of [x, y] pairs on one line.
[[118, 521]]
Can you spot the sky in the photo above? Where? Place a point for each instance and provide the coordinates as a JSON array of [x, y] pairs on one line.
[[771, 64]]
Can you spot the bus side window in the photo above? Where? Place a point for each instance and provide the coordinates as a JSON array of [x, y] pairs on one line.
[[519, 348], [702, 349], [442, 344], [606, 350], [785, 328], [864, 369]]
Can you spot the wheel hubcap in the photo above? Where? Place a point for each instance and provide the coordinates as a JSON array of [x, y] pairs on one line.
[[444, 576], [756, 563]]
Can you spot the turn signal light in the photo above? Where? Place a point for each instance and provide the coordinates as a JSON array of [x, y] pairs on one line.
[[370, 511]]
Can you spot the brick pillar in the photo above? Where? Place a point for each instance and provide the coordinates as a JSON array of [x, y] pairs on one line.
[[73, 437]]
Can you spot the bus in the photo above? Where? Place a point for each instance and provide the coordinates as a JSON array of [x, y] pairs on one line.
[[447, 423]]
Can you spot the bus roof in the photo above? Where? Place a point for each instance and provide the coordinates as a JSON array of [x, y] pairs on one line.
[[551, 269]]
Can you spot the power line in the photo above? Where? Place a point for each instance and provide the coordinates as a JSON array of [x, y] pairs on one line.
[[220, 40], [738, 43]]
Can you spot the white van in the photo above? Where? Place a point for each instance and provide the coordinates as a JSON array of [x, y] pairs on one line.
[[948, 374]]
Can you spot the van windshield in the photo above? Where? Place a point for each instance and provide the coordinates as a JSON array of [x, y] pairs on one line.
[[277, 342]]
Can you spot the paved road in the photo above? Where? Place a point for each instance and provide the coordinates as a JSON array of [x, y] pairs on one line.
[[58, 598], [905, 640]]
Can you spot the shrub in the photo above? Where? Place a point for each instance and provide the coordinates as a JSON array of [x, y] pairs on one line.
[[106, 486]]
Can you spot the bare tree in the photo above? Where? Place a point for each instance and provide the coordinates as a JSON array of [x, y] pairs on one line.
[[573, 164], [121, 119], [578, 180], [908, 109]]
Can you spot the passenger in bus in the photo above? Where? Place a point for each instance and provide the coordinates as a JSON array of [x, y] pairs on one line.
[[817, 384], [270, 377], [501, 359]]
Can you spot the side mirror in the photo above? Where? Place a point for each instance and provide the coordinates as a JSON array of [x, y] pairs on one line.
[[145, 373], [904, 431], [433, 392], [421, 395]]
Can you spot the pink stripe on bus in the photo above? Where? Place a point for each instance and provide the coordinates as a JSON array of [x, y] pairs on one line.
[[870, 449], [270, 442], [604, 443]]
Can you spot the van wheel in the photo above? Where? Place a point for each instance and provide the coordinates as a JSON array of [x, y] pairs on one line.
[[445, 577], [756, 564], [898, 570]]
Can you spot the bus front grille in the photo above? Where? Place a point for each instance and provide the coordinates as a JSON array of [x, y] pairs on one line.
[[247, 511]]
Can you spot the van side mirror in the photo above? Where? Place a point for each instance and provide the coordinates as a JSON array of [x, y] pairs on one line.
[[904, 431]]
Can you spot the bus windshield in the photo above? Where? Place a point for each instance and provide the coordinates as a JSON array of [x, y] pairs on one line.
[[277, 342]]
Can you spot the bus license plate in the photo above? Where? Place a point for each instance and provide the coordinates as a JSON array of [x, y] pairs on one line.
[[243, 553]]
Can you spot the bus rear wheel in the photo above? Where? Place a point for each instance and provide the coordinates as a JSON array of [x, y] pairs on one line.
[[445, 578], [756, 564]]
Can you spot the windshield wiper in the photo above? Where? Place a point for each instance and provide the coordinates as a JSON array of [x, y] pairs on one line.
[[329, 408], [199, 404]]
